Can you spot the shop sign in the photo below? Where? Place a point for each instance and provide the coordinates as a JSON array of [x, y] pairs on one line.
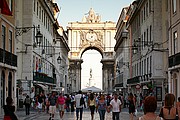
[[138, 86]]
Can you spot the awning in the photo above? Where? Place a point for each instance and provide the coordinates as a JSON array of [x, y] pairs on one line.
[[44, 87], [92, 89], [145, 87]]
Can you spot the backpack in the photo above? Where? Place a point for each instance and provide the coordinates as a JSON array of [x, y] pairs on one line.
[[81, 101], [27, 101]]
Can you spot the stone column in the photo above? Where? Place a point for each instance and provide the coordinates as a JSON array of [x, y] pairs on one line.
[[75, 68], [108, 73]]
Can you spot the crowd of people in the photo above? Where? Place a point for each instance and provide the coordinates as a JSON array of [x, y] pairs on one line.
[[105, 105]]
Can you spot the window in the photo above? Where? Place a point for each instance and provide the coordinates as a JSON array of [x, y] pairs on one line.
[[44, 18], [3, 37], [141, 44], [40, 12], [10, 41], [144, 42], [147, 9], [150, 33], [46, 46], [46, 22], [150, 65], [42, 15], [174, 6], [34, 5], [37, 8], [175, 42], [44, 43], [149, 5], [145, 66], [142, 16], [142, 68], [144, 13], [48, 25], [147, 39]]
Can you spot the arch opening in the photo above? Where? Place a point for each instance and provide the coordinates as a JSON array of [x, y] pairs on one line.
[[91, 68]]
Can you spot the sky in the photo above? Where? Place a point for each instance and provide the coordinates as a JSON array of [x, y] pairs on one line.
[[74, 10]]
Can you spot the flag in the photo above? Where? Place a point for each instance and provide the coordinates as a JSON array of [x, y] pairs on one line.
[[5, 8]]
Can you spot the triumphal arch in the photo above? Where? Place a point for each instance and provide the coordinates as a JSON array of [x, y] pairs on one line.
[[91, 33]]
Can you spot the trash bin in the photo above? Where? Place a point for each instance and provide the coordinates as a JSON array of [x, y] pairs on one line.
[[20, 103]]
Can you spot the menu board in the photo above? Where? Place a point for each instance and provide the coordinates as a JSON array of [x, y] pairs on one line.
[[159, 93]]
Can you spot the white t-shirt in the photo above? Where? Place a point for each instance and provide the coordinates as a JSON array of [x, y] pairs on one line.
[[115, 105], [77, 99]]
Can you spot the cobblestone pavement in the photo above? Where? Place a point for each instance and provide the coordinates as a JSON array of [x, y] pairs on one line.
[[34, 115]]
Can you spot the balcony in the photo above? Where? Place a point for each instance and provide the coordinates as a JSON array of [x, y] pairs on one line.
[[133, 80], [8, 58], [174, 60], [41, 77]]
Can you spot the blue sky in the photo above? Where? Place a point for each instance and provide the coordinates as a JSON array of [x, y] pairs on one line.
[[74, 10]]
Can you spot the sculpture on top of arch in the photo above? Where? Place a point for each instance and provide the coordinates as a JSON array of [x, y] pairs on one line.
[[92, 17]]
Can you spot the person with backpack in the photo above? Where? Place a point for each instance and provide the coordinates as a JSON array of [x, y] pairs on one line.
[[79, 102], [27, 103]]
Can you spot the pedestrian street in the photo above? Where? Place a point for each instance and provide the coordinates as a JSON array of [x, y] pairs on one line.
[[34, 115]]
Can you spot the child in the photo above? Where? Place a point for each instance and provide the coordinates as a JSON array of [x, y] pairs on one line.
[[108, 113]]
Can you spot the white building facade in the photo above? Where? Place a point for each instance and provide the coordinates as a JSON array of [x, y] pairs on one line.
[[122, 53], [36, 66]]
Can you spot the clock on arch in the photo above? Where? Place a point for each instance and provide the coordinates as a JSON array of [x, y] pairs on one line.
[[91, 36]]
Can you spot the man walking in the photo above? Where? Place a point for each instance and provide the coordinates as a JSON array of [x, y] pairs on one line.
[[52, 102], [79, 102], [115, 104]]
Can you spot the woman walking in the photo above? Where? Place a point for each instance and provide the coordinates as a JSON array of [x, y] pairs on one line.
[[150, 106], [61, 103], [169, 111], [101, 107], [132, 105], [92, 104]]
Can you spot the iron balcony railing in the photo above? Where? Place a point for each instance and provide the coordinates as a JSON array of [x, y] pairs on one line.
[[174, 60], [8, 58], [133, 80], [41, 77]]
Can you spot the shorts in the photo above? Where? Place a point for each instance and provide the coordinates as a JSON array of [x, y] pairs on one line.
[[52, 109], [39, 105], [92, 109], [61, 107]]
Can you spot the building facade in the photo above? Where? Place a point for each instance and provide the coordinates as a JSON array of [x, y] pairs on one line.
[[8, 57], [174, 45], [61, 53], [91, 33], [36, 60], [148, 48], [122, 53]]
